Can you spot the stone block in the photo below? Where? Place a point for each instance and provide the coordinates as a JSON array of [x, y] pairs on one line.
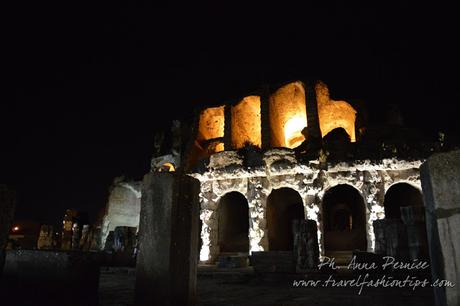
[[440, 177], [168, 240], [44, 277]]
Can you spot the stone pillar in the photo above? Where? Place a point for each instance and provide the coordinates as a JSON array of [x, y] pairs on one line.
[[257, 201], [379, 234], [306, 249], [228, 127], [312, 113], [440, 177], [414, 219], [265, 117], [168, 240], [7, 204]]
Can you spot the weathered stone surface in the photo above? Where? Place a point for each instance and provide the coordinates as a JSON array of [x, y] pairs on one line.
[[392, 235], [414, 219], [440, 176], [42, 277], [306, 248], [123, 207], [371, 178], [168, 240], [7, 204]]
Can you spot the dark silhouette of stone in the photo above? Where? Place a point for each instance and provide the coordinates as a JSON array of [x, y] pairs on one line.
[[7, 205], [440, 176], [168, 240]]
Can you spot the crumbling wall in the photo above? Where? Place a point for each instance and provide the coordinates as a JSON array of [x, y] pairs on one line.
[[288, 115], [225, 173], [246, 122], [334, 114], [123, 207], [211, 126]]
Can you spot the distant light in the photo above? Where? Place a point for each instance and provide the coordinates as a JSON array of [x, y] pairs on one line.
[[16, 228]]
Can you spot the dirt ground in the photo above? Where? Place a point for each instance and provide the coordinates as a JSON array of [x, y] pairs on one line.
[[243, 287]]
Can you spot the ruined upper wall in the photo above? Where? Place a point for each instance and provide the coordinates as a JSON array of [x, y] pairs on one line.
[[280, 113]]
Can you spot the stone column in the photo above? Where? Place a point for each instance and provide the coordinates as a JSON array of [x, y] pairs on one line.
[[313, 128], [7, 204], [257, 201], [168, 240], [228, 127], [379, 234], [265, 117], [440, 177]]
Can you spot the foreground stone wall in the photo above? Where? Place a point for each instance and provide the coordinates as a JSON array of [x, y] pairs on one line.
[[441, 186], [279, 168], [123, 207]]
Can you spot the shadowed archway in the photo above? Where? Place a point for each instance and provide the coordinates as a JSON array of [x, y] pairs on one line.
[[283, 206], [233, 214], [401, 195], [344, 219]]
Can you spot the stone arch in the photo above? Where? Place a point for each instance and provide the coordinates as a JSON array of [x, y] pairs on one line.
[[233, 223], [401, 194], [283, 206], [343, 219]]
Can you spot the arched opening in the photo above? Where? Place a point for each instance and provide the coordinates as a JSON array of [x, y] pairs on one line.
[[233, 214], [344, 220], [288, 116], [246, 124], [401, 195], [283, 206]]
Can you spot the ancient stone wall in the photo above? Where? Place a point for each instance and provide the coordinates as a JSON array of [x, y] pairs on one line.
[[123, 207], [225, 173]]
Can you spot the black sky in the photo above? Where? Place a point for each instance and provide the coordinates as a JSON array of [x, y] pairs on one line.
[[90, 82]]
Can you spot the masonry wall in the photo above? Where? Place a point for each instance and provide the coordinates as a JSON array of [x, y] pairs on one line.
[[280, 168], [123, 208]]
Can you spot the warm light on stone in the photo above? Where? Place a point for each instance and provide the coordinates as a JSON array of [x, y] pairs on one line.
[[246, 122], [334, 114], [288, 115]]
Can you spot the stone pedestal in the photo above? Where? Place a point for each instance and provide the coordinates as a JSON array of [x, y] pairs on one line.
[[7, 203], [306, 249], [391, 238], [168, 240], [414, 219], [42, 277], [440, 176]]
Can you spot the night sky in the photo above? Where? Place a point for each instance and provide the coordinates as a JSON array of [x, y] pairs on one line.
[[90, 82]]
